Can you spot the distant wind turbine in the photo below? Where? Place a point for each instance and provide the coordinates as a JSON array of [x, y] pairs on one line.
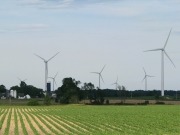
[[21, 80], [100, 76], [54, 81], [46, 68], [116, 83], [162, 62], [145, 78]]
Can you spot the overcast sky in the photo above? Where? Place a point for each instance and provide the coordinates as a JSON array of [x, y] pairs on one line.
[[89, 34]]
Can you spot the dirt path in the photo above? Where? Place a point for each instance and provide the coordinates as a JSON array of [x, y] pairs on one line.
[[12, 123]]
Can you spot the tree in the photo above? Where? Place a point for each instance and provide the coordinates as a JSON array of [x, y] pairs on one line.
[[28, 90], [88, 86], [87, 91], [121, 92], [2, 89], [69, 92]]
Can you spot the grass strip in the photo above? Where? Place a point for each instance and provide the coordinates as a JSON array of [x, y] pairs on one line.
[[8, 123], [22, 123]]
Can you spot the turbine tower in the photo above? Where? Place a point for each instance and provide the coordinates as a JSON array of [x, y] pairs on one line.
[[145, 78], [54, 81], [116, 83], [100, 76], [162, 62], [46, 68]]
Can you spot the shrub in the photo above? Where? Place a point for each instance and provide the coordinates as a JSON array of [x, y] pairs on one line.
[[107, 101], [33, 102], [47, 100], [159, 103]]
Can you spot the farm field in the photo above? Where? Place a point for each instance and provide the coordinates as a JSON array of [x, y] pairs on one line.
[[94, 120]]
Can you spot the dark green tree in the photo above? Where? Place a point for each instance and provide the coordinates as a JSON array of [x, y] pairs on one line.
[[69, 92], [28, 89], [2, 89]]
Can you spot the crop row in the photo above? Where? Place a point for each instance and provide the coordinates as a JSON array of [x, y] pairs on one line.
[[81, 120]]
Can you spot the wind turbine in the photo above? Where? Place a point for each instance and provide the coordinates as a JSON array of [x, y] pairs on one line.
[[116, 83], [145, 78], [46, 68], [162, 62], [21, 80], [100, 76], [54, 81]]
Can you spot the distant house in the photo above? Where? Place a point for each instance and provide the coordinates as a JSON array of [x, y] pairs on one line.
[[21, 96], [3, 95]]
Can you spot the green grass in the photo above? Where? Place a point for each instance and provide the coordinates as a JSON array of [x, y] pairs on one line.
[[95, 120]]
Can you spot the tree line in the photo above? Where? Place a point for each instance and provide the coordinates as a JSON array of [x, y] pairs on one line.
[[71, 92]]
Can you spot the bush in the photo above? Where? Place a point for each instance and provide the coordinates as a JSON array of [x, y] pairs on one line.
[[33, 102], [107, 101], [146, 102], [47, 100], [159, 103]]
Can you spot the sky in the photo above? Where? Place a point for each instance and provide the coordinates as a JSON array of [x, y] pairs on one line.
[[89, 34]]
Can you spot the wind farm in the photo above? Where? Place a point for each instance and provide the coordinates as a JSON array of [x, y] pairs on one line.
[[92, 67]]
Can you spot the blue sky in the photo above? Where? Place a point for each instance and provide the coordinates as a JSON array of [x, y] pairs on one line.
[[89, 34]]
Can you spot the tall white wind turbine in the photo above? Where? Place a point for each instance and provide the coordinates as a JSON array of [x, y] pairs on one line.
[[116, 83], [54, 80], [46, 68], [162, 62], [100, 76], [145, 78]]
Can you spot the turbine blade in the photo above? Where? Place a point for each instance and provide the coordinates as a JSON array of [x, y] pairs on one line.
[[169, 58], [39, 57], [53, 56], [56, 75], [101, 78], [18, 78], [102, 68], [144, 71], [167, 38], [55, 82], [144, 78], [154, 50], [24, 80], [94, 72], [150, 76]]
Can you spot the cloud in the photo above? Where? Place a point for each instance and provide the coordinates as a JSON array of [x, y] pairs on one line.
[[118, 7], [23, 28], [47, 4], [58, 4], [32, 26]]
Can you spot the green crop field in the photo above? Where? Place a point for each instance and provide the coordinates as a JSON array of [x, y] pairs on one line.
[[94, 120]]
